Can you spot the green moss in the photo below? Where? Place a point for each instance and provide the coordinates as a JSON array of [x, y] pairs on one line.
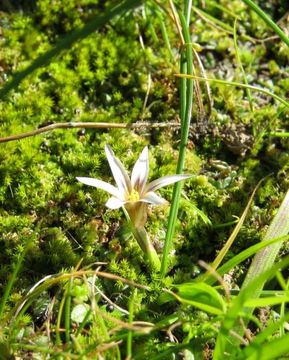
[[104, 78]]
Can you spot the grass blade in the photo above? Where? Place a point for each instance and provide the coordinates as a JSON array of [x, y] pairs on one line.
[[266, 257], [236, 260], [268, 21], [225, 339], [234, 83], [12, 279], [248, 92], [272, 350], [186, 95], [232, 237], [129, 340]]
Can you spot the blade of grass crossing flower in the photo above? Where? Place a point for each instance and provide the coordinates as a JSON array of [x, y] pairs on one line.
[[67, 41], [268, 21], [187, 99], [144, 242]]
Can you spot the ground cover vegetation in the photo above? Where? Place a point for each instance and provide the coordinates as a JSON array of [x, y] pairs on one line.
[[203, 84]]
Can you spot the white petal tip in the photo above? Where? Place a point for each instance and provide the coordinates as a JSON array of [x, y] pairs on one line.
[[81, 179], [108, 149], [154, 199], [113, 203]]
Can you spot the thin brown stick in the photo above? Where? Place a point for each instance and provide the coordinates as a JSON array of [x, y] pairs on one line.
[[177, 22], [215, 274], [87, 125], [54, 279], [204, 75]]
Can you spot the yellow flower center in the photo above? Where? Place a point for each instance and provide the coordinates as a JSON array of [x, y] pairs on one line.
[[133, 196]]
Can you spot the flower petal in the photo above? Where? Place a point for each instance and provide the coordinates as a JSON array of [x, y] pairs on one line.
[[114, 203], [101, 185], [166, 180], [153, 198], [118, 171], [140, 171]]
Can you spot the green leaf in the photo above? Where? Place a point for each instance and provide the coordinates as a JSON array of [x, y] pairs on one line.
[[237, 307], [201, 295], [271, 350], [267, 301], [236, 260], [79, 312], [263, 337]]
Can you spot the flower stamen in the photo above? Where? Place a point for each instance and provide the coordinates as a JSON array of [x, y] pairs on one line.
[[133, 196]]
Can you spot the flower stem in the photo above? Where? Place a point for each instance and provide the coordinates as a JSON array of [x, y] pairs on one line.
[[147, 247]]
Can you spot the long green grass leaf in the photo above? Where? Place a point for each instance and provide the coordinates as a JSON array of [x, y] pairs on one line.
[[226, 342], [244, 255], [231, 239], [263, 337], [268, 21], [272, 350], [12, 279], [234, 83], [266, 301], [248, 92], [266, 257], [186, 94], [129, 340]]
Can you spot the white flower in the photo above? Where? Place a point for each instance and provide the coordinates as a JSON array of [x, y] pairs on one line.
[[134, 194], [131, 192]]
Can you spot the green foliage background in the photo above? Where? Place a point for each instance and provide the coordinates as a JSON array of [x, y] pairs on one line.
[[105, 78]]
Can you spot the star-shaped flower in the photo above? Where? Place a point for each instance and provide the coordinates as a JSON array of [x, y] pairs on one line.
[[131, 192], [134, 195]]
